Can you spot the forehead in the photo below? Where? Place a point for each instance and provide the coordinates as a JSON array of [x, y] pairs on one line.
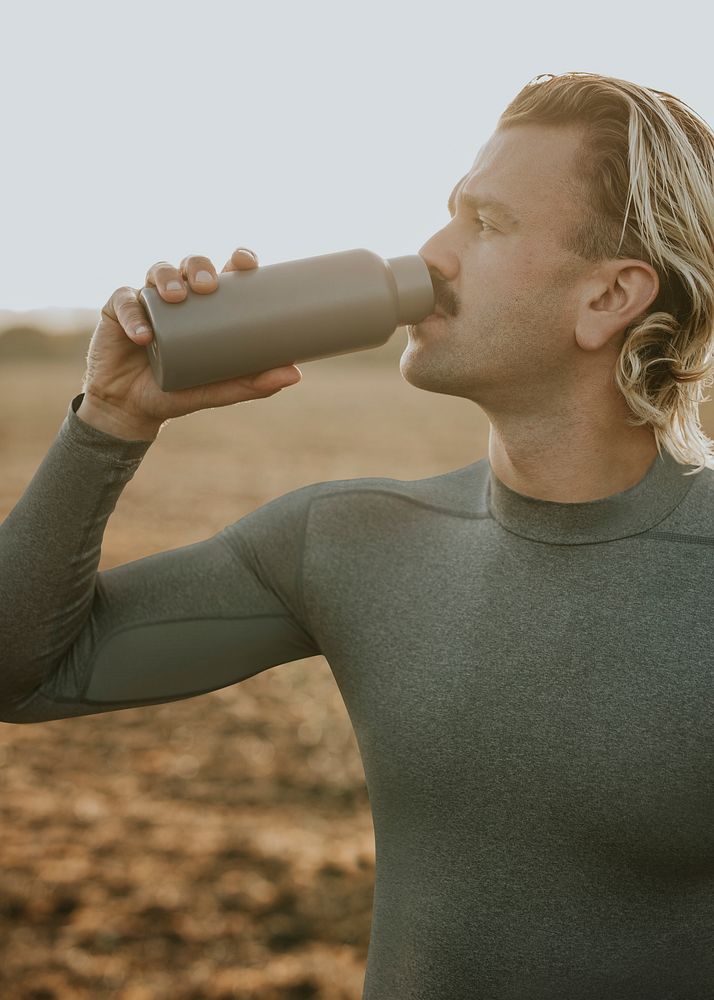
[[529, 167]]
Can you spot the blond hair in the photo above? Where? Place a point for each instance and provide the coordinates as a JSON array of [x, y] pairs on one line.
[[646, 167]]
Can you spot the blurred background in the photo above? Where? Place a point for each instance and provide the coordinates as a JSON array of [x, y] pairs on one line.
[[222, 847]]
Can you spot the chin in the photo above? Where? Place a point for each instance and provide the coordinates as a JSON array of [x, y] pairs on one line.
[[419, 367]]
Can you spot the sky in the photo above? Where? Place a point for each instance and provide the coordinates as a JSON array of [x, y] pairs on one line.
[[148, 130]]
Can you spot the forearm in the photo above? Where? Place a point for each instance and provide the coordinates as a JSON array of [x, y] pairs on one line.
[[50, 546]]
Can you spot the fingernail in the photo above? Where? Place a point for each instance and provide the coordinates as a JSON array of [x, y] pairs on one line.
[[204, 277]]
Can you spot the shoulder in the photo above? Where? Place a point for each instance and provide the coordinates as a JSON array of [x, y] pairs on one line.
[[459, 491], [693, 517]]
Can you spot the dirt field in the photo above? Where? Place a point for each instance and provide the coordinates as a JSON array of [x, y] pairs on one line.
[[219, 847]]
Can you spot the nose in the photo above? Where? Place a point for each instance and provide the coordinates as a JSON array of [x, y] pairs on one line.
[[439, 253], [438, 281]]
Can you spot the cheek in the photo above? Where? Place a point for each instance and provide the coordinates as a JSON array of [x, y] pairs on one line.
[[513, 272], [500, 277], [537, 274], [507, 255], [534, 264]]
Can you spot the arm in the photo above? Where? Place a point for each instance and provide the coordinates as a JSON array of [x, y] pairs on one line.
[[163, 628]]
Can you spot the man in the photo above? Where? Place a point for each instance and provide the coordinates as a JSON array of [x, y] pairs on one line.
[[523, 645]]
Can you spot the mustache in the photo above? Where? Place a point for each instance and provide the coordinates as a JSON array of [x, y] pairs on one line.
[[439, 297]]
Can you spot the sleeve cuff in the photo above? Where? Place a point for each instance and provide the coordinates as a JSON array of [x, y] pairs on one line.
[[78, 435]]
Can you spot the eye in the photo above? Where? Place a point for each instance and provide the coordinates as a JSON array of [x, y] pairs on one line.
[[486, 226]]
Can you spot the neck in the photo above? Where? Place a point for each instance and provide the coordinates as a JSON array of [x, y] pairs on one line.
[[575, 465]]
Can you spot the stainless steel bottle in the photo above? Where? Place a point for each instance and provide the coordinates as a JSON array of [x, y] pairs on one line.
[[281, 314]]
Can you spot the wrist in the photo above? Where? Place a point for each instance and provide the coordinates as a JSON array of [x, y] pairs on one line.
[[115, 421]]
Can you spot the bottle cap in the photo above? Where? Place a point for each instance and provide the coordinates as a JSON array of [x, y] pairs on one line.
[[415, 290]]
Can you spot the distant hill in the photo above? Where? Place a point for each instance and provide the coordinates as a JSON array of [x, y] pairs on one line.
[[29, 342], [46, 334], [52, 320]]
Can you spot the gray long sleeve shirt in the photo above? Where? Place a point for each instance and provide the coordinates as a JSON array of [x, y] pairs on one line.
[[531, 686]]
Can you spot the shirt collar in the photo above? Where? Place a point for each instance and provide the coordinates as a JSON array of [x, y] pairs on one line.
[[634, 510]]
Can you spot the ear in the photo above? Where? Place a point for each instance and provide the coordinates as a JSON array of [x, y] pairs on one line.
[[620, 292]]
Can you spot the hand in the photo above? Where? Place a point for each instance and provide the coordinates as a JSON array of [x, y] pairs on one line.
[[119, 377]]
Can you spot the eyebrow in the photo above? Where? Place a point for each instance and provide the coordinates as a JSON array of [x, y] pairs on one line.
[[471, 201]]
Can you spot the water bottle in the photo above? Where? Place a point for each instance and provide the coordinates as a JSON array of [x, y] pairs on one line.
[[281, 314]]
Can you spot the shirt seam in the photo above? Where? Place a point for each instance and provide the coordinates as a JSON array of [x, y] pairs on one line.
[[248, 550]]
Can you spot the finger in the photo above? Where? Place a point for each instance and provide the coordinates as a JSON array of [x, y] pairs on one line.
[[162, 276], [125, 309], [199, 272], [241, 259]]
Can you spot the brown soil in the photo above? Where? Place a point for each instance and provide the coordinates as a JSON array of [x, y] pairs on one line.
[[219, 847]]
